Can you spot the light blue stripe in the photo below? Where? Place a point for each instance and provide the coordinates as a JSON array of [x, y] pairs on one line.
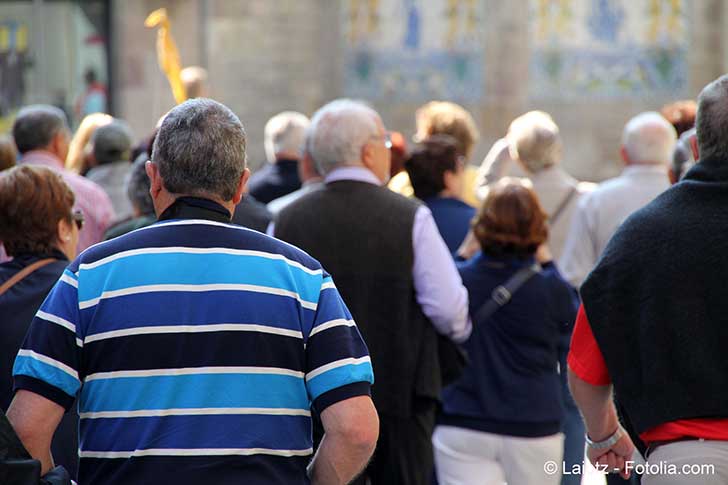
[[194, 391], [28, 366], [340, 376], [70, 274], [197, 269]]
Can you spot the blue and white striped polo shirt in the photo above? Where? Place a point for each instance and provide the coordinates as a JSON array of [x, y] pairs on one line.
[[197, 350]]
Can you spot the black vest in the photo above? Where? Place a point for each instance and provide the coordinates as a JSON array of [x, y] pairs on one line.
[[362, 235], [658, 306]]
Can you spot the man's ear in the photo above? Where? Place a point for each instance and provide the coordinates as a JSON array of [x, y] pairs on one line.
[[58, 145], [672, 176], [155, 180], [624, 155], [242, 186], [367, 155]]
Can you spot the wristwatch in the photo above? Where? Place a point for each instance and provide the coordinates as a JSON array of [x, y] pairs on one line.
[[607, 443]]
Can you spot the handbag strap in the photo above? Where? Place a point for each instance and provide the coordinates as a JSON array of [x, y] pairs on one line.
[[20, 275], [502, 294], [560, 209]]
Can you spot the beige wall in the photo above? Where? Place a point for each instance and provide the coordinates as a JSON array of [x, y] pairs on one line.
[[265, 56]]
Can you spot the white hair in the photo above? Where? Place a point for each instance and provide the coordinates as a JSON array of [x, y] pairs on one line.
[[339, 131], [535, 141], [649, 138], [284, 133]]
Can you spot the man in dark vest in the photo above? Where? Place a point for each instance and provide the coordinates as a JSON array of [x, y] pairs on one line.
[[394, 272], [652, 325]]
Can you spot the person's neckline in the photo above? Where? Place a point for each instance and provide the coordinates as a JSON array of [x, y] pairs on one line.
[[187, 207]]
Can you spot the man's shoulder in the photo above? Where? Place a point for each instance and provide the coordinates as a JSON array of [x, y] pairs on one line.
[[329, 193], [197, 235], [85, 187]]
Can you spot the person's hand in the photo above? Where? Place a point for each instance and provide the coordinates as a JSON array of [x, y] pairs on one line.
[[613, 459], [469, 247]]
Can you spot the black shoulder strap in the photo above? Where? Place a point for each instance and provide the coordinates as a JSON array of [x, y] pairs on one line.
[[560, 209], [502, 294]]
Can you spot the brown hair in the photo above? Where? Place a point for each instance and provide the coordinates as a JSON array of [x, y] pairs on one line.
[[8, 152], [428, 163], [511, 220], [32, 201], [680, 114], [446, 118]]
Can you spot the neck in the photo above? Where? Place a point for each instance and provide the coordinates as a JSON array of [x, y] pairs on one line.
[[285, 156], [165, 199], [448, 193]]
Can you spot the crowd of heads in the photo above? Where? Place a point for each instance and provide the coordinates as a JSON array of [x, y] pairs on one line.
[[199, 148]]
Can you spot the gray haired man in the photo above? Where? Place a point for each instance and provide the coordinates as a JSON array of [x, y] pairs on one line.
[[395, 273], [284, 139], [652, 327], [198, 347]]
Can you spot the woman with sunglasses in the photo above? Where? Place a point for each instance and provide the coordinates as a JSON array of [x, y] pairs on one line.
[[39, 230]]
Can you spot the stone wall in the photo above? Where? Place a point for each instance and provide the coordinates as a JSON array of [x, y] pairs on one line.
[[266, 56]]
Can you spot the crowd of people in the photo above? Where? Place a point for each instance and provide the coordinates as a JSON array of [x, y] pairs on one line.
[[359, 310]]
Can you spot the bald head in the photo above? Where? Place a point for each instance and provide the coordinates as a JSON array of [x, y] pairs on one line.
[[194, 79], [712, 119], [648, 138]]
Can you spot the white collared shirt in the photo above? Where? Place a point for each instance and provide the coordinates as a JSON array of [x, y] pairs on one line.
[[599, 214]]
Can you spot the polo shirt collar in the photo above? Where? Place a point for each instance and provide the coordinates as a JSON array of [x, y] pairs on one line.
[[196, 208]]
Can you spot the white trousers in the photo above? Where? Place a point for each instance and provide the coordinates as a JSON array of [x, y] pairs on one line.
[[699, 462], [468, 457]]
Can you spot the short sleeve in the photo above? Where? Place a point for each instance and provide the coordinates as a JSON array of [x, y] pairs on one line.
[[338, 366], [585, 359], [48, 361]]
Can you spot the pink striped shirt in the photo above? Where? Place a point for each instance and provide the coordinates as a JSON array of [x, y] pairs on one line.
[[90, 198]]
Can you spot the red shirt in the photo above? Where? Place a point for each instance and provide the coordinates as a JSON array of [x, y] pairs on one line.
[[587, 362]]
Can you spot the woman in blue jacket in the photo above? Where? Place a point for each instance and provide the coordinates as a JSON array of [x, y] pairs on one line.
[[501, 420]]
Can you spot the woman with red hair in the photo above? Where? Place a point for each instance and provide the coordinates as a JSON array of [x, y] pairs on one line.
[[501, 421]]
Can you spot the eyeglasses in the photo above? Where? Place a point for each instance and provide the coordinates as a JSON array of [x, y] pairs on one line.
[[386, 137], [78, 218]]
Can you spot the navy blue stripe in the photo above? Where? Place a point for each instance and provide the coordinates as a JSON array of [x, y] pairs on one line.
[[53, 341], [330, 307], [62, 302], [191, 308], [341, 394], [212, 470], [195, 235], [336, 343], [44, 389], [207, 349], [216, 431], [185, 268]]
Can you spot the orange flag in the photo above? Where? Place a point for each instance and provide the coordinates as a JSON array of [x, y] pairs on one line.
[[167, 53]]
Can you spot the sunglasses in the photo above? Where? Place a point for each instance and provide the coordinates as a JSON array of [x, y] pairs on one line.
[[78, 218]]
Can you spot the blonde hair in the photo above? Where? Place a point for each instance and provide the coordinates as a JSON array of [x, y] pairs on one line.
[[446, 118], [75, 160]]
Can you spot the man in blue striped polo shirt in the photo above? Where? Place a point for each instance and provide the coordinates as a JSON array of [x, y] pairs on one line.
[[197, 349]]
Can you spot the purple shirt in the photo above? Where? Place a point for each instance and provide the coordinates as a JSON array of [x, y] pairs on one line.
[[438, 287], [90, 198]]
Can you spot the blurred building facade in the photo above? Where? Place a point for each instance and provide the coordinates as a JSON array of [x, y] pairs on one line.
[[591, 63]]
